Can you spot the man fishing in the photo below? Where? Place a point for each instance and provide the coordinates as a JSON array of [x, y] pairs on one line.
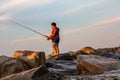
[[54, 36]]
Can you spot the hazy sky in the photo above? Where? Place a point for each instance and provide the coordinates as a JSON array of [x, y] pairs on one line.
[[94, 23]]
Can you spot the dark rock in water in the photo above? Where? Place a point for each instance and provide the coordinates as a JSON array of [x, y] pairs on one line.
[[49, 65], [110, 75], [92, 77], [40, 73], [65, 56], [32, 58], [93, 64], [62, 64]]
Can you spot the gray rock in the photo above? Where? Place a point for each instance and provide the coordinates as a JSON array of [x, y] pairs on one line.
[[13, 66], [93, 64], [22, 61], [93, 77]]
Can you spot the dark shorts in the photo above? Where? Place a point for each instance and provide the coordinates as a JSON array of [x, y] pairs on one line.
[[55, 43]]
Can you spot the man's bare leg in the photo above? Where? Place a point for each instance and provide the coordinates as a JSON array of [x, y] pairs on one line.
[[55, 51]]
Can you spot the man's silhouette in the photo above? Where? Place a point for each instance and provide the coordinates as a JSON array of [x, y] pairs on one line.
[[55, 39]]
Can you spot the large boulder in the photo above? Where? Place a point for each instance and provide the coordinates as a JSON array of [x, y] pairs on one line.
[[32, 58], [93, 64], [40, 73], [10, 66]]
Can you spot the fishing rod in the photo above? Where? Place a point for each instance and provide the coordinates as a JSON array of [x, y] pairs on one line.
[[27, 28], [12, 21]]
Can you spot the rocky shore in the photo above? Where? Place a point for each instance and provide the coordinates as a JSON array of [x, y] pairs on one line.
[[85, 64]]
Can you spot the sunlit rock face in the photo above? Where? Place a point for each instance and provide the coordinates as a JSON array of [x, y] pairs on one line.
[[88, 50], [84, 51], [93, 64], [117, 50], [22, 61], [32, 58]]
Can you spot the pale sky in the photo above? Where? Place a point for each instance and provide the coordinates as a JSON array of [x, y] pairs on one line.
[[94, 23]]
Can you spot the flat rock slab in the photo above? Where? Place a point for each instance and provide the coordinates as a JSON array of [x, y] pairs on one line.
[[93, 64]]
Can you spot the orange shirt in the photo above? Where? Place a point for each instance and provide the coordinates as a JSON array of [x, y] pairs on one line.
[[54, 31]]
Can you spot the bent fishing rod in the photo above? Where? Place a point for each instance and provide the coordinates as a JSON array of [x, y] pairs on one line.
[[21, 25]]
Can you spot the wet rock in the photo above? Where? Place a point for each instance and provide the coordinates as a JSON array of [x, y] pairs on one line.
[[62, 64], [92, 77], [93, 64], [110, 75], [32, 58], [64, 67], [40, 73]]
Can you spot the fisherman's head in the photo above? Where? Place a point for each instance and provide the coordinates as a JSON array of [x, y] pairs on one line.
[[53, 25]]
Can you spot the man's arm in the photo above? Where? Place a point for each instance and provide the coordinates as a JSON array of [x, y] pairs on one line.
[[53, 34]]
